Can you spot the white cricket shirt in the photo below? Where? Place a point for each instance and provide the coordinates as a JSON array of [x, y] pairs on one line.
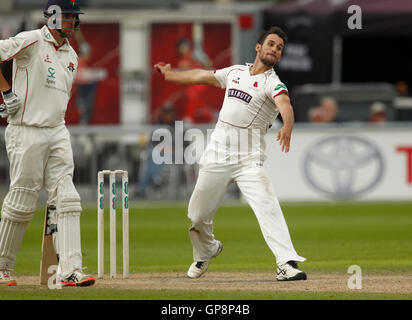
[[43, 75], [249, 103]]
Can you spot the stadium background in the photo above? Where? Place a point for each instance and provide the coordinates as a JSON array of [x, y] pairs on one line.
[[324, 57]]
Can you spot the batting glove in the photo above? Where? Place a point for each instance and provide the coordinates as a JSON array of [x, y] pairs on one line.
[[12, 103], [3, 113]]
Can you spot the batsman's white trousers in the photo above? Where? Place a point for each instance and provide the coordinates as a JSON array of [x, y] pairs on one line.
[[213, 180], [39, 158]]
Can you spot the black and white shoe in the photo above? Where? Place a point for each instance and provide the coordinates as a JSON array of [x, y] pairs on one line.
[[198, 268], [77, 279], [290, 272]]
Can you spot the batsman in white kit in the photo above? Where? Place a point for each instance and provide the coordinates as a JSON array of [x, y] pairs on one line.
[[38, 142], [253, 99]]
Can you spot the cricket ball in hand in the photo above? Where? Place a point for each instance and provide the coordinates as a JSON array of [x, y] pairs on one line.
[[161, 63]]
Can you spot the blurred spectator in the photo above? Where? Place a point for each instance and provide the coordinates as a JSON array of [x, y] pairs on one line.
[[190, 57], [377, 112], [327, 111], [402, 89], [151, 173], [87, 79], [315, 114], [196, 110]]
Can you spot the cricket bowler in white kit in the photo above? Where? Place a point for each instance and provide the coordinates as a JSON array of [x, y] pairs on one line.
[[253, 99], [38, 142]]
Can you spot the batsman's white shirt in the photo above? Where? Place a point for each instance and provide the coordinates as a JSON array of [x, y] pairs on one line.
[[42, 76], [231, 156], [37, 140], [38, 143]]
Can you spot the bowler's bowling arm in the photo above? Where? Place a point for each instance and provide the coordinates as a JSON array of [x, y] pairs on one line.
[[193, 76]]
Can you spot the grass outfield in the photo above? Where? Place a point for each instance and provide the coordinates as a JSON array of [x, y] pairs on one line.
[[331, 236]]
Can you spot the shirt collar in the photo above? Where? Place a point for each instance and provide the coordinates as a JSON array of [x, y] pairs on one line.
[[270, 71], [49, 38]]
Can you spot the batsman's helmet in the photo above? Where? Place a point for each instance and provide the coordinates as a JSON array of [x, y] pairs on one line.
[[65, 6]]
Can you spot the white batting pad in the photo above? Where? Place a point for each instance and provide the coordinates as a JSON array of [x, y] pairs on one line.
[[68, 236], [19, 204], [68, 199], [11, 237]]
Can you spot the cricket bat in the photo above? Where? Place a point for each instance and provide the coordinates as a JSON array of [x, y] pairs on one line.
[[49, 256]]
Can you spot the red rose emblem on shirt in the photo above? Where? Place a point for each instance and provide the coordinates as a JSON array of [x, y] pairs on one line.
[[71, 66]]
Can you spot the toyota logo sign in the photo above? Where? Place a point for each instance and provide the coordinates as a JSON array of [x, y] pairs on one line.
[[343, 166]]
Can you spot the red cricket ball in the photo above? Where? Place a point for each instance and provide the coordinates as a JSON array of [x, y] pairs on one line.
[[161, 63]]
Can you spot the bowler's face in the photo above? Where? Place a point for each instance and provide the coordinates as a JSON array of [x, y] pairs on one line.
[[271, 50]]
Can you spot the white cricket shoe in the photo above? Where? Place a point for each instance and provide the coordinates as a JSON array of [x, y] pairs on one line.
[[78, 279], [289, 272], [6, 278], [198, 268]]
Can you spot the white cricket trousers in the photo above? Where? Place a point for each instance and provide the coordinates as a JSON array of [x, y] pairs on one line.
[[212, 182], [39, 158]]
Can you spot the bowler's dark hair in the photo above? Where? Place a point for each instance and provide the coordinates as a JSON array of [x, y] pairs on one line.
[[273, 30]]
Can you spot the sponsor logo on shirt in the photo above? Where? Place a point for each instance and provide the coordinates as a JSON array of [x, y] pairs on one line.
[[52, 73], [51, 82], [239, 94], [51, 76]]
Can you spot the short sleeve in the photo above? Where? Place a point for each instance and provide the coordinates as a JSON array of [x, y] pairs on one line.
[[18, 47], [221, 75], [279, 88], [275, 88]]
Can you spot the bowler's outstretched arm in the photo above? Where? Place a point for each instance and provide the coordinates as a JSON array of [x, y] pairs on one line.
[[193, 76]]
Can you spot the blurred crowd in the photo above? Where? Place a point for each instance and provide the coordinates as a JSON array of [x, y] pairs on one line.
[[328, 111]]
